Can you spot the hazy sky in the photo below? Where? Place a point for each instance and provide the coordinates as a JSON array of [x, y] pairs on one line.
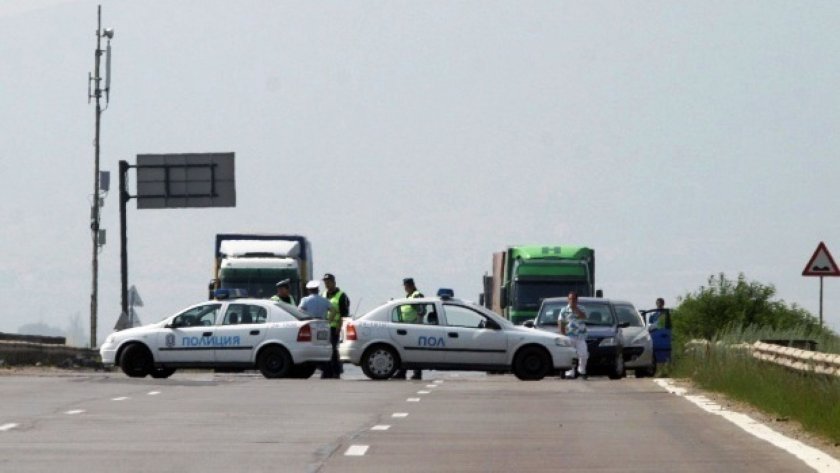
[[678, 139]]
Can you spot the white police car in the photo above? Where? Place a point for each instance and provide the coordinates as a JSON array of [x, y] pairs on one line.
[[274, 337], [449, 334]]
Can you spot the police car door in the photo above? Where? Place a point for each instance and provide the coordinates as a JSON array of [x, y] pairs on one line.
[[243, 328], [415, 331], [473, 338], [188, 337]]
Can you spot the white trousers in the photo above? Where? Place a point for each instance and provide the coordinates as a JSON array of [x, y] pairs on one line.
[[582, 352]]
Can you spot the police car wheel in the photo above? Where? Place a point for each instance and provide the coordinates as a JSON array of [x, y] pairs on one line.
[[302, 371], [136, 361], [274, 362], [531, 364], [380, 362]]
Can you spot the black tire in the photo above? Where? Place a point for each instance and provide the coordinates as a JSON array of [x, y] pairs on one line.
[[302, 371], [531, 364], [274, 362], [136, 361], [380, 362], [648, 372], [162, 373], [618, 370]]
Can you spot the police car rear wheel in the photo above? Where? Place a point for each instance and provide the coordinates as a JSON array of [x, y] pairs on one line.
[[302, 371], [380, 362], [531, 364], [136, 361], [274, 362]]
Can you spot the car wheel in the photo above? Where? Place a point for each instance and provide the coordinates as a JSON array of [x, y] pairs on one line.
[[380, 362], [618, 371], [531, 364], [162, 373], [136, 361], [274, 362], [302, 371]]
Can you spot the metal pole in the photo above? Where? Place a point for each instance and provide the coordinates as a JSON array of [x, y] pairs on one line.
[[94, 225], [821, 301], [123, 238]]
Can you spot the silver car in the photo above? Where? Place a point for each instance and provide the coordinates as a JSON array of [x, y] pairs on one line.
[[449, 334], [638, 346]]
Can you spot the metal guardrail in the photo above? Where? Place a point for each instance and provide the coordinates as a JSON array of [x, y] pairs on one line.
[[795, 358], [17, 353]]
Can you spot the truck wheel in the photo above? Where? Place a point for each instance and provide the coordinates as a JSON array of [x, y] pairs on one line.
[[136, 361], [380, 362], [531, 364], [274, 362], [618, 371], [302, 371], [162, 373]]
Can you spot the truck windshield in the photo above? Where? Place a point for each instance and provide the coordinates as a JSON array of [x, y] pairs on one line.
[[529, 294]]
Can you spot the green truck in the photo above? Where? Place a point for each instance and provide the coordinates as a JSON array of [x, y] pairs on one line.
[[525, 275]]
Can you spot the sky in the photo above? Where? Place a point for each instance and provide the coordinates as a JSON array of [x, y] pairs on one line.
[[677, 139]]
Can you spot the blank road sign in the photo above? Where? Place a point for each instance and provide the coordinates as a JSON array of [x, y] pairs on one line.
[[185, 180]]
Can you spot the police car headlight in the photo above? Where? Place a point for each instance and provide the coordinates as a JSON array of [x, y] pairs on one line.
[[110, 339], [562, 342], [607, 342]]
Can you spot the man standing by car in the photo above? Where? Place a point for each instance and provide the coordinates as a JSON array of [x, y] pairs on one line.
[[340, 308], [661, 317], [283, 292], [572, 322], [410, 314], [315, 304]]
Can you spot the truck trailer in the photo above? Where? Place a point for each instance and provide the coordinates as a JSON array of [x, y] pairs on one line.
[[523, 276], [254, 263]]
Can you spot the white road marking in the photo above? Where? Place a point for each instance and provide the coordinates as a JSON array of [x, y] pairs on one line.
[[7, 427], [356, 450], [438, 381], [154, 393], [74, 412], [431, 385], [121, 398], [816, 459], [380, 427], [399, 414], [423, 392], [413, 399]]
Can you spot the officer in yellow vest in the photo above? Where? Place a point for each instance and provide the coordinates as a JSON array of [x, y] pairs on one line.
[[340, 307], [284, 293], [409, 314]]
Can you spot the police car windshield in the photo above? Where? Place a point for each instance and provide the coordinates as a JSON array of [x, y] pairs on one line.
[[293, 311], [597, 313]]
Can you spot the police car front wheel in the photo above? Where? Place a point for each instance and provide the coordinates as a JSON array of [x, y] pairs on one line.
[[136, 361], [531, 364], [162, 373]]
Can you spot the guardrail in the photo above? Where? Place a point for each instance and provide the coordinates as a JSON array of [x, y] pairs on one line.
[[16, 353], [794, 358]]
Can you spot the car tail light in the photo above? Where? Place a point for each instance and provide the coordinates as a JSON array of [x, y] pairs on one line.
[[350, 332], [305, 334]]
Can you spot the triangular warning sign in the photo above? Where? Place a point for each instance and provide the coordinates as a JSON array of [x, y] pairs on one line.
[[821, 264]]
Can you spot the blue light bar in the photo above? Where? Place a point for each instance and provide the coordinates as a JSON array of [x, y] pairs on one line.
[[445, 293]]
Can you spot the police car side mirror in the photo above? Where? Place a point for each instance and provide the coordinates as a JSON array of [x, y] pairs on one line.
[[529, 324]]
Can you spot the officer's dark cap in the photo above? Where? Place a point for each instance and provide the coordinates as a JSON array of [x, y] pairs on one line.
[[409, 281], [284, 283], [328, 277]]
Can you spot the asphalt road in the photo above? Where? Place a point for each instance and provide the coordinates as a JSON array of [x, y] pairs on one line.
[[466, 422]]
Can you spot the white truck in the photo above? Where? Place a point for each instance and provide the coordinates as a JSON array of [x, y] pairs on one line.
[[254, 263]]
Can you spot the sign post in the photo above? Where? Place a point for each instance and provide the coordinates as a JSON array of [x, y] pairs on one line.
[[821, 264]]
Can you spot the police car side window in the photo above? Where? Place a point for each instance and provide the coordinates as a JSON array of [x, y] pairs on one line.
[[197, 316], [458, 316], [245, 314], [414, 314]]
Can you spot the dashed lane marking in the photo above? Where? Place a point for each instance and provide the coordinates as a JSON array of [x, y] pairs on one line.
[[154, 393], [413, 399], [438, 381], [816, 459], [356, 450], [423, 392], [7, 427], [121, 398], [399, 415], [431, 385], [380, 427], [74, 412]]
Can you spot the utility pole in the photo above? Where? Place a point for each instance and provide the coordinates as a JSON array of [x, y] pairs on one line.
[[96, 201]]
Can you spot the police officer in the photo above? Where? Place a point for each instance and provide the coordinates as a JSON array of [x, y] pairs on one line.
[[315, 304], [340, 308], [409, 314], [283, 292]]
